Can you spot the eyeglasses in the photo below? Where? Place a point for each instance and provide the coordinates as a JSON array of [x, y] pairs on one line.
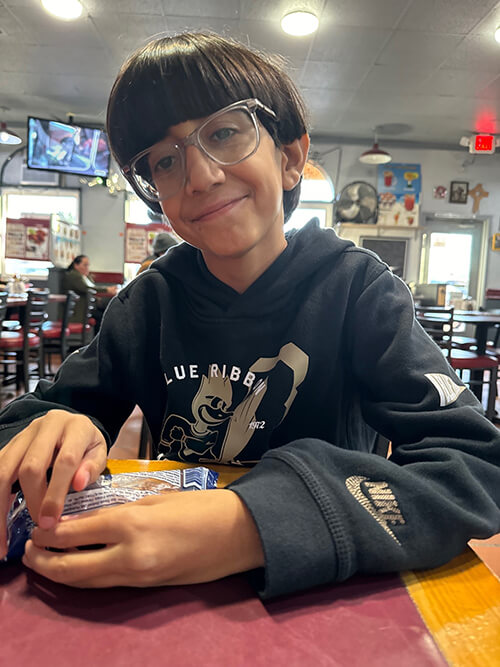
[[227, 137]]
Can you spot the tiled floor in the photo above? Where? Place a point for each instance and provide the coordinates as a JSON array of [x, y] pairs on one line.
[[127, 447]]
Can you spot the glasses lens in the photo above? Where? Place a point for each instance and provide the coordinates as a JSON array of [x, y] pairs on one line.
[[229, 137], [159, 172]]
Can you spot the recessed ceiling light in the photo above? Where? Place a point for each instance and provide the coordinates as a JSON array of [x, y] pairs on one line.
[[300, 23], [68, 10], [497, 34]]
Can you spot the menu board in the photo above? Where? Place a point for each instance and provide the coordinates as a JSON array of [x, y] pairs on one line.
[[65, 242], [399, 187], [27, 238], [139, 241]]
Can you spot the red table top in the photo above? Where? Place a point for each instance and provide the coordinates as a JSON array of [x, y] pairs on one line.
[[365, 621]]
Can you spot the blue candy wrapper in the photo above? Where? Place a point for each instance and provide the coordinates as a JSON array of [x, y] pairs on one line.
[[108, 490]]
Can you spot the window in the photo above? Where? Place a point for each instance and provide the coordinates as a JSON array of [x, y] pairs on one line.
[[316, 194], [16, 204]]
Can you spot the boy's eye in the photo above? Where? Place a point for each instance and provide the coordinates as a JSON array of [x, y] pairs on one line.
[[222, 134], [166, 163]]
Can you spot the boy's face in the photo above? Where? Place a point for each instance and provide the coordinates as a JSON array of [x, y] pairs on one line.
[[227, 211]]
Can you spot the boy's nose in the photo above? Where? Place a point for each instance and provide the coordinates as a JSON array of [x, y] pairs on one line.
[[202, 173]]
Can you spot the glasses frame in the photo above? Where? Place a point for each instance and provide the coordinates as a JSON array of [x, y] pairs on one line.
[[252, 105]]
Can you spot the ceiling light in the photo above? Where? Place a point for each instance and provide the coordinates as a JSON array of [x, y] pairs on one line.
[[497, 34], [7, 136], [375, 155], [300, 23], [68, 10]]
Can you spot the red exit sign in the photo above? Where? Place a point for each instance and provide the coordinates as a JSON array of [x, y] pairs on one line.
[[483, 143]]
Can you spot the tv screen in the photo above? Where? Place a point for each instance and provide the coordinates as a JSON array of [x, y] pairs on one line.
[[70, 149]]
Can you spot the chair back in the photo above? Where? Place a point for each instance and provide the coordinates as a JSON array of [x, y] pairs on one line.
[[90, 306], [438, 323], [3, 306], [36, 310], [68, 310]]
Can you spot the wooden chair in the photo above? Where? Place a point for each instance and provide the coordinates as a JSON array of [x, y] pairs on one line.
[[22, 347], [438, 323], [56, 333]]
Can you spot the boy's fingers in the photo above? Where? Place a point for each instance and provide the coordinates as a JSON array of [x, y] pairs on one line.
[[69, 568], [68, 461], [92, 465], [81, 531], [10, 459]]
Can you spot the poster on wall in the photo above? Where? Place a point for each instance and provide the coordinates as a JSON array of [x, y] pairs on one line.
[[65, 242], [27, 238], [399, 188], [139, 241]]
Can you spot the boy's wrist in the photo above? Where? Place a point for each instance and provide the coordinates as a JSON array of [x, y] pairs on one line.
[[243, 547]]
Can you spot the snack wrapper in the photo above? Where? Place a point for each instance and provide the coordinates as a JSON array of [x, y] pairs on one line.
[[108, 490]]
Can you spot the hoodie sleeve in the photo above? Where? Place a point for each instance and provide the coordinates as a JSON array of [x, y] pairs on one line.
[[325, 513], [95, 380]]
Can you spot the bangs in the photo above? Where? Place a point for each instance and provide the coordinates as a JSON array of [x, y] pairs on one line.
[[190, 76]]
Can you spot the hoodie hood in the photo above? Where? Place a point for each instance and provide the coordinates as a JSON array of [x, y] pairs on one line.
[[308, 251]]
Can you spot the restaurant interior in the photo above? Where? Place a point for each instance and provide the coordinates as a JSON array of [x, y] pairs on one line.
[[404, 102]]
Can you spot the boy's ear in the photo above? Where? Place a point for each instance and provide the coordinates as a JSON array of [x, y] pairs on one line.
[[293, 159]]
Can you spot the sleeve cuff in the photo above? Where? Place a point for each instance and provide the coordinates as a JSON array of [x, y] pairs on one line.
[[298, 547]]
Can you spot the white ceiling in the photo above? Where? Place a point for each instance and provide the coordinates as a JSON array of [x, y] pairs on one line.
[[431, 64]]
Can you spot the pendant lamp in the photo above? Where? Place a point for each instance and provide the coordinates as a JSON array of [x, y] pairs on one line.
[[375, 155], [7, 136]]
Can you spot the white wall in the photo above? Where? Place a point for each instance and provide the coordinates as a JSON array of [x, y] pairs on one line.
[[103, 214], [438, 168], [103, 228]]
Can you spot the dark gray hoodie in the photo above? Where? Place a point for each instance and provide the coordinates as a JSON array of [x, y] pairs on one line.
[[295, 377]]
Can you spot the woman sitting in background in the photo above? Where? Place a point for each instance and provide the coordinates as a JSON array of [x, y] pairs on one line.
[[77, 278]]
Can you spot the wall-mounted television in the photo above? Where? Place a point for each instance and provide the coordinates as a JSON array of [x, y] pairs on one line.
[[67, 148]]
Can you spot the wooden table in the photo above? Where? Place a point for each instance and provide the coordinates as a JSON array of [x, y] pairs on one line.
[[20, 300], [450, 615]]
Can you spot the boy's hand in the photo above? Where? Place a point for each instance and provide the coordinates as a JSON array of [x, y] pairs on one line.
[[176, 538], [67, 442]]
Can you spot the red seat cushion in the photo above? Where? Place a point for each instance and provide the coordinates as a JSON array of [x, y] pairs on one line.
[[53, 330], [462, 359], [14, 340]]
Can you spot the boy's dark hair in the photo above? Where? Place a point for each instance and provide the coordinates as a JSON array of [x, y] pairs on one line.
[[191, 75]]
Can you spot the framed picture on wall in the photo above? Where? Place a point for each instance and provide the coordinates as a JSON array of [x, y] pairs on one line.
[[495, 241], [459, 191]]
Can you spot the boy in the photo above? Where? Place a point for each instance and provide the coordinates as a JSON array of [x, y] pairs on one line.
[[246, 347]]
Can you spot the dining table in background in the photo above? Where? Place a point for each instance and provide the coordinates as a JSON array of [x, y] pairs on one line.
[[446, 616], [481, 321], [20, 300]]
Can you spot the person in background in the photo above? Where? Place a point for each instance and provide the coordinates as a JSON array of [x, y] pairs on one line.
[[163, 241], [249, 346], [77, 278]]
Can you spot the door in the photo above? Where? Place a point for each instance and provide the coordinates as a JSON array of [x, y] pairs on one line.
[[452, 254]]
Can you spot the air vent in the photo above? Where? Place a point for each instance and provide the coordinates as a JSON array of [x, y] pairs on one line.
[[35, 177]]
